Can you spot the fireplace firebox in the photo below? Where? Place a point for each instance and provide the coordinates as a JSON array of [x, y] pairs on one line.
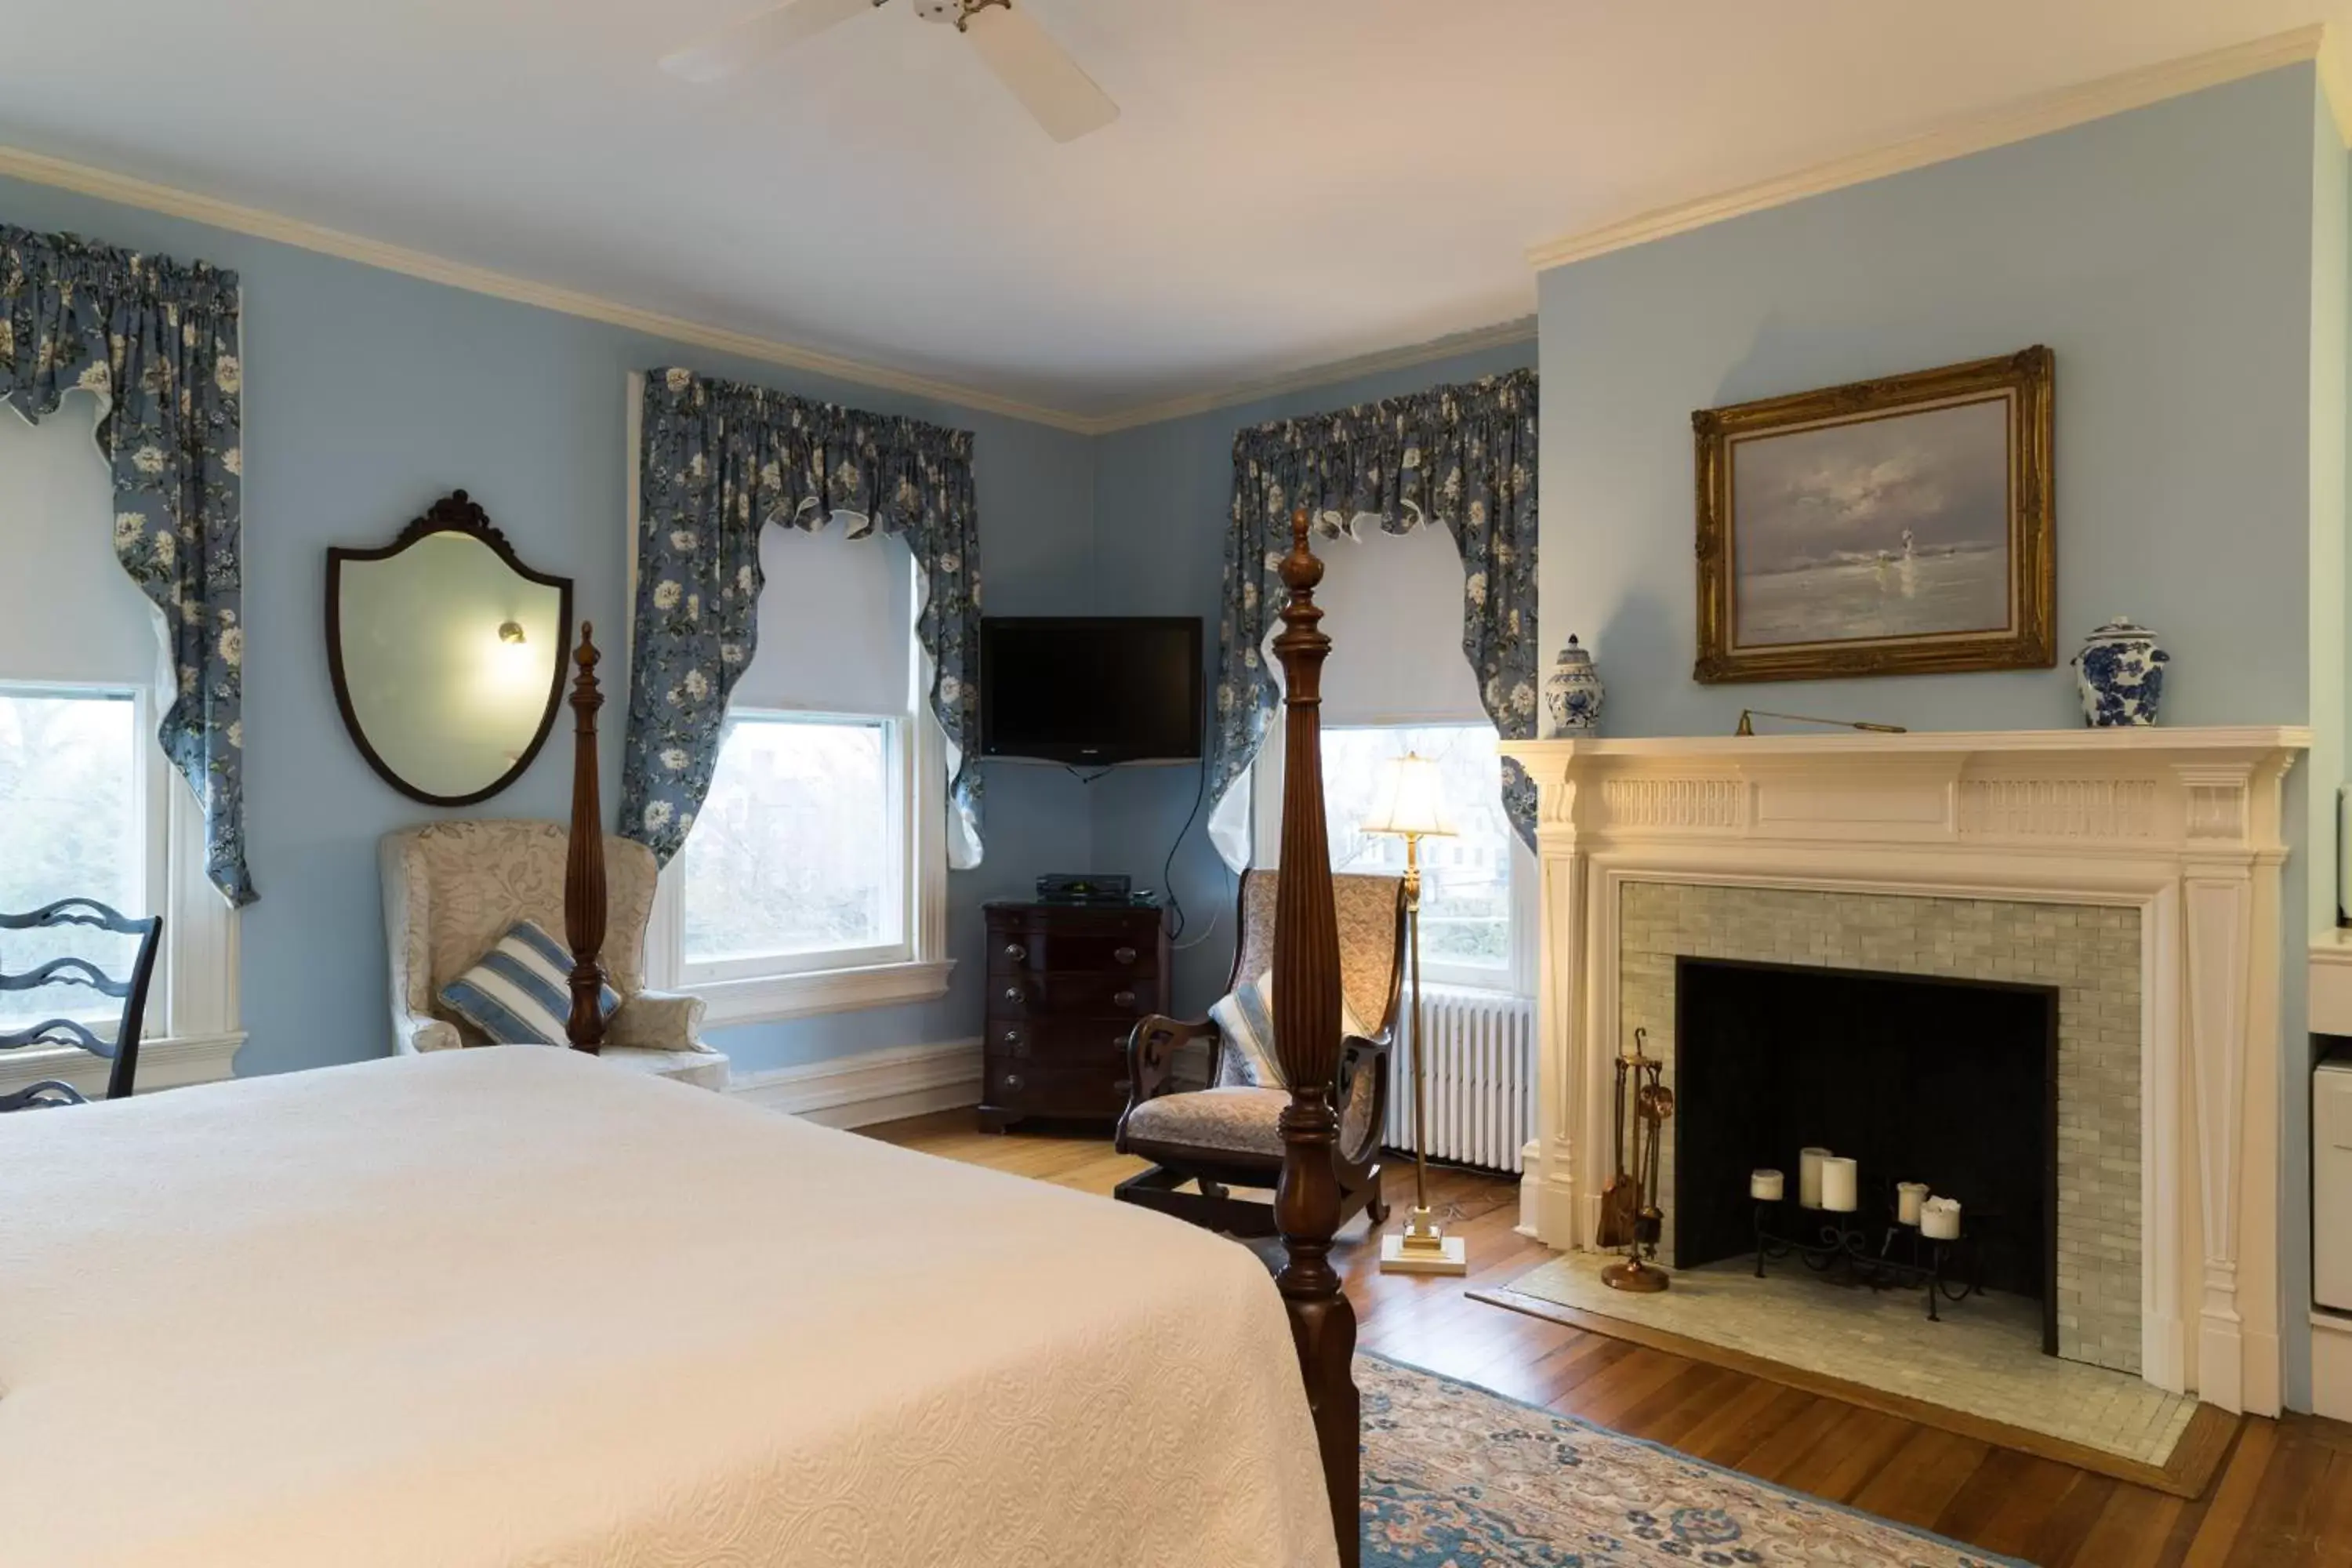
[[1949, 1082]]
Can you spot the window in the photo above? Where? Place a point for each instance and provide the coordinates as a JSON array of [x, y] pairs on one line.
[[74, 794], [90, 807], [814, 879], [1467, 888], [797, 859]]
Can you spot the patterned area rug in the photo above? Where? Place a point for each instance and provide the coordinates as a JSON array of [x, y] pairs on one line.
[[1460, 1476]]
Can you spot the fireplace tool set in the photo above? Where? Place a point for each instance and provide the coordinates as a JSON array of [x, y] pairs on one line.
[[1630, 1214]]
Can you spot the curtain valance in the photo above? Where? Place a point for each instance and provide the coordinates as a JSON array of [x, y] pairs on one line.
[[721, 461], [157, 342], [1463, 456]]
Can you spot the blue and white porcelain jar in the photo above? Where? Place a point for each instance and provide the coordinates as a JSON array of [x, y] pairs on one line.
[[2120, 672], [1574, 693]]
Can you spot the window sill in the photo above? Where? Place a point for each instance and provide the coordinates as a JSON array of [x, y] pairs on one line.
[[163, 1064], [774, 998]]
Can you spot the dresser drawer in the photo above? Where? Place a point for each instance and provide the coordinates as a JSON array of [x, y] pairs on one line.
[[1134, 952], [1058, 1041], [1024, 992], [1025, 1088]]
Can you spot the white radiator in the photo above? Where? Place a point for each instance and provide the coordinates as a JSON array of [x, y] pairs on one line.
[[1482, 1076]]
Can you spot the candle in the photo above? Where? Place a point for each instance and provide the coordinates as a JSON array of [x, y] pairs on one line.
[[1908, 1196], [1840, 1183], [1809, 1176], [1939, 1219], [1766, 1186]]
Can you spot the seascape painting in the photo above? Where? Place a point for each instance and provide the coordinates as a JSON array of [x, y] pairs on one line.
[[1899, 526], [1894, 527]]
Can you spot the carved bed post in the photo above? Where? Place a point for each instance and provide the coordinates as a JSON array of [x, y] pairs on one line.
[[583, 866], [1307, 1040]]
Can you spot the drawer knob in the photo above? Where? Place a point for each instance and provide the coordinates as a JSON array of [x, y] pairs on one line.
[[1013, 1081], [1123, 954], [1015, 951], [1012, 995], [1012, 1037], [1122, 999], [1123, 1085]]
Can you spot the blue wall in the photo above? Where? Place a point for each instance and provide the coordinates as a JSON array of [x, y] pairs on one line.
[[1163, 494], [369, 394], [2167, 256]]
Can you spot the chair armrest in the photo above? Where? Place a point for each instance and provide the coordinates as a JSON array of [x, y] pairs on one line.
[[1151, 1047], [414, 1033], [660, 1020], [1365, 1058]]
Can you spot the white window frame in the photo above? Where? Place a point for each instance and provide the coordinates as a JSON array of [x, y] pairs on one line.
[[805, 985], [1516, 978], [192, 1032]]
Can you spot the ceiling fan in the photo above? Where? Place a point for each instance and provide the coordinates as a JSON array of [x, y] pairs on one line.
[[1049, 84]]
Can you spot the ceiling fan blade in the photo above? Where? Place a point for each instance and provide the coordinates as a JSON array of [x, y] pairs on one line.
[[754, 38], [1049, 84]]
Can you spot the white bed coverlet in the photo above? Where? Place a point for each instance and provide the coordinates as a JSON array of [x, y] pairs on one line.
[[515, 1306]]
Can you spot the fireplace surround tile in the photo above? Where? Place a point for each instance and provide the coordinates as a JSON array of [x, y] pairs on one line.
[[2090, 953]]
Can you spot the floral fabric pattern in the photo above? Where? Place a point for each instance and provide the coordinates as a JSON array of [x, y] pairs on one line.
[[1463, 456], [1460, 1476], [156, 342], [721, 461]]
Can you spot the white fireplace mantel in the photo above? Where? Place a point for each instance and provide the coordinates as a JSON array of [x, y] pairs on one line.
[[2182, 824]]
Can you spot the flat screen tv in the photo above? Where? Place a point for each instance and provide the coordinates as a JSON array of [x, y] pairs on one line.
[[1095, 691]]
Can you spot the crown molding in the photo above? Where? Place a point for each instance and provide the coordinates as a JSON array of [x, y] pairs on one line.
[[39, 169], [1519, 330], [2019, 121]]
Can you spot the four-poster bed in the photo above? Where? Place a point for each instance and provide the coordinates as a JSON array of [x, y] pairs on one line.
[[1307, 1016], [482, 1307]]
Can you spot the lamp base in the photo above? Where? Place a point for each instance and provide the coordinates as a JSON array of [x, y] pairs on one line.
[[1421, 1248]]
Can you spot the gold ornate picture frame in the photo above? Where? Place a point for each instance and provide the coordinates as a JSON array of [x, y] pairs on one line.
[[1902, 526]]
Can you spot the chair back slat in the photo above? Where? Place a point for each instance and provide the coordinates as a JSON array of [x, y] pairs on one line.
[[77, 913], [70, 969], [67, 971]]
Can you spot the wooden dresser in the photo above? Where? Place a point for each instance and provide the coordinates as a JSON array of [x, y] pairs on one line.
[[1065, 985]]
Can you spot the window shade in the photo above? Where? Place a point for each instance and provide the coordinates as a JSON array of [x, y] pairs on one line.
[[837, 620], [1392, 608], [67, 610]]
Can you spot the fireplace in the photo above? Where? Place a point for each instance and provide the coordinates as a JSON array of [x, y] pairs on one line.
[[2135, 871], [1950, 1082]]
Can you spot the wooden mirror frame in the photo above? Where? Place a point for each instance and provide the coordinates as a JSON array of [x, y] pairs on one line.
[[456, 512]]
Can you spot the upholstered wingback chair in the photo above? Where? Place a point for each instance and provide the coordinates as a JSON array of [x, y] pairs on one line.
[[1225, 1135], [452, 888]]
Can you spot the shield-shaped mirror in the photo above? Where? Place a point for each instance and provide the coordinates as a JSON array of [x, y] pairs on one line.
[[448, 655]]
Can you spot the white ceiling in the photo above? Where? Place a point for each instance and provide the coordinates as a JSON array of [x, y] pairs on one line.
[[1293, 181]]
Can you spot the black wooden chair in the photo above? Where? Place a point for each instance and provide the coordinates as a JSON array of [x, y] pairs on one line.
[[122, 1050]]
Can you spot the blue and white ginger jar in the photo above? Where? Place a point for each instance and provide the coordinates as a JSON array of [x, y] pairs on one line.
[[1574, 693], [2120, 672]]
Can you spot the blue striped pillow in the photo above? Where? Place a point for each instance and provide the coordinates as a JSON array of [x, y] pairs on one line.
[[521, 992]]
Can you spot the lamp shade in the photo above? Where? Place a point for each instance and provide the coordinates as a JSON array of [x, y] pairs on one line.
[[1409, 798]]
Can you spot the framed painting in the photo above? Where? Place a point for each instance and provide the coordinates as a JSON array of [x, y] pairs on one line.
[[1893, 527]]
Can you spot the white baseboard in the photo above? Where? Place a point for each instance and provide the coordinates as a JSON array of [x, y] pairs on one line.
[[872, 1086]]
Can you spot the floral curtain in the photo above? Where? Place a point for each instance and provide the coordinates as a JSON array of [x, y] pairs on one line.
[[720, 461], [156, 342], [1463, 456]]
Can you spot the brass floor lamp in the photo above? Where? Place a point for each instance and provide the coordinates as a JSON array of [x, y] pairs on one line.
[[1410, 803]]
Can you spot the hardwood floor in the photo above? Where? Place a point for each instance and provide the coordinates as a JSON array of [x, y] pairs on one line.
[[2283, 1499]]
